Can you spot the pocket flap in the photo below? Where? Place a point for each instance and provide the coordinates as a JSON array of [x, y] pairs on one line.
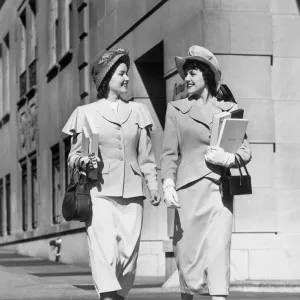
[[136, 168]]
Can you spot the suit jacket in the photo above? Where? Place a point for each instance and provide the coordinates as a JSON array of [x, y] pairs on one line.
[[125, 147], [186, 137]]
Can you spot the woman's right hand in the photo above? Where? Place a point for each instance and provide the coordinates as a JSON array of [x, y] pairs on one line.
[[89, 162], [170, 197]]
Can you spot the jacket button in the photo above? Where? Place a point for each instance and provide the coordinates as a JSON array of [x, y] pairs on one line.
[[121, 158], [118, 128], [120, 148], [118, 138]]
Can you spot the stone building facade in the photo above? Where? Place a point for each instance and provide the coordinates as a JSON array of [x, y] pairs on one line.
[[45, 53]]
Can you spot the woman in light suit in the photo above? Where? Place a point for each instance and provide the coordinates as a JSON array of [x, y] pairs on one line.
[[124, 156], [203, 220]]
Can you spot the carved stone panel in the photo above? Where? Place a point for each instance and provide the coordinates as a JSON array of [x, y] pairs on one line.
[[22, 130], [32, 124], [27, 127]]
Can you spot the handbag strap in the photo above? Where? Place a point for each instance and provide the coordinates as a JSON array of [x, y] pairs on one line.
[[238, 165], [73, 172], [226, 172], [240, 162]]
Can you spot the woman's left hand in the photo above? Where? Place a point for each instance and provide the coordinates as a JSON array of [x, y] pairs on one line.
[[217, 156], [154, 197]]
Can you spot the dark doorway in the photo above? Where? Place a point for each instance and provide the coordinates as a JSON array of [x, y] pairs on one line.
[[151, 69]]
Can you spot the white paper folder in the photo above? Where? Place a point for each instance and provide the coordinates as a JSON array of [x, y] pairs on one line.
[[232, 134], [217, 122], [90, 140]]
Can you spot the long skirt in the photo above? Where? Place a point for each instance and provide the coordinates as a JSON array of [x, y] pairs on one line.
[[202, 238], [113, 235]]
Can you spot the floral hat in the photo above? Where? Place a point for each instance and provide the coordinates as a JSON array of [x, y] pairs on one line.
[[104, 62]]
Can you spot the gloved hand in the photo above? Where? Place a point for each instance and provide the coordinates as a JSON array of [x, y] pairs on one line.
[[170, 195], [217, 156], [89, 162], [154, 197]]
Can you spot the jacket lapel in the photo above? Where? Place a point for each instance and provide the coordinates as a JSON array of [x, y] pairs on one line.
[[124, 111], [202, 113], [104, 109], [184, 105]]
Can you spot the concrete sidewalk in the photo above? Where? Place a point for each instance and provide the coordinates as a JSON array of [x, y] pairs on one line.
[[262, 286], [42, 279]]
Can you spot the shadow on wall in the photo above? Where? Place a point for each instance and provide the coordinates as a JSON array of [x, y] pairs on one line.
[[298, 4]]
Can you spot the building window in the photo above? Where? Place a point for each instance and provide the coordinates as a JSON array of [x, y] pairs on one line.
[[33, 34], [22, 63], [65, 19], [34, 193], [24, 196], [83, 23], [55, 184], [66, 11], [32, 45], [1, 83], [71, 24], [32, 75], [83, 48], [1, 209], [6, 75], [67, 143], [53, 33], [8, 204]]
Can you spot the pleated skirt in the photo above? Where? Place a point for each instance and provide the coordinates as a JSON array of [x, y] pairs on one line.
[[113, 235], [202, 238]]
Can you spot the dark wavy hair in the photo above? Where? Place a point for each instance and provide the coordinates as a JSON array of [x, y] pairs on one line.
[[103, 88], [207, 73]]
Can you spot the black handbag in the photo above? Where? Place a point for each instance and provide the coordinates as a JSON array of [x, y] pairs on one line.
[[77, 202], [231, 185]]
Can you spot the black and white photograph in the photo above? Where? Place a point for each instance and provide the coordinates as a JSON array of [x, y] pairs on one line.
[[149, 149]]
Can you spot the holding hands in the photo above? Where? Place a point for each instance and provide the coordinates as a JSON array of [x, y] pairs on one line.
[[217, 156], [154, 197]]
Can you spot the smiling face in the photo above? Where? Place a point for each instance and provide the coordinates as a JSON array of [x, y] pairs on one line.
[[194, 80], [119, 80]]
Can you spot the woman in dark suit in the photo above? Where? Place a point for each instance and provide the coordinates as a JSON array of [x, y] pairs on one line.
[[124, 155], [203, 220]]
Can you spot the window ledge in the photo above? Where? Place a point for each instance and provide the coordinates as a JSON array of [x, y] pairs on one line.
[[81, 5], [82, 65], [53, 71], [83, 35], [66, 59], [5, 119], [83, 95], [31, 92], [22, 101]]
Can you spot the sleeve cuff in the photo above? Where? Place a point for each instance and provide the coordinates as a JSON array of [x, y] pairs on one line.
[[152, 186], [168, 182]]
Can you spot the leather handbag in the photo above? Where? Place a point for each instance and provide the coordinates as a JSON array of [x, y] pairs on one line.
[[77, 202], [231, 185]]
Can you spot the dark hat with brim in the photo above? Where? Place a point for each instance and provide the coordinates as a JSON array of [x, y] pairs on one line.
[[105, 61], [200, 54]]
